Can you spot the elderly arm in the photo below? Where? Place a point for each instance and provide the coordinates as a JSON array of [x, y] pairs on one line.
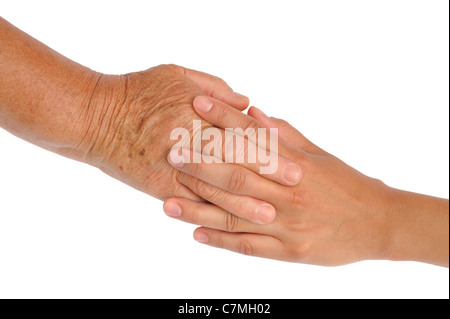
[[118, 123]]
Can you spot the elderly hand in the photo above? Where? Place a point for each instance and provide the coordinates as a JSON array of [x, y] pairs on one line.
[[334, 216], [127, 123], [122, 124], [119, 123]]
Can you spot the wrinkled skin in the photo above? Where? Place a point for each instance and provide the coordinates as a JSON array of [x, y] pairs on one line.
[[119, 123], [128, 121]]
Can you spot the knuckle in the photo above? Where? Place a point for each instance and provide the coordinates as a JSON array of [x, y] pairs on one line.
[[296, 226], [231, 223], [171, 67], [299, 159], [283, 123], [219, 242], [239, 205], [212, 193], [203, 189], [237, 181], [251, 125], [221, 113], [241, 152], [220, 81], [199, 186], [195, 169], [294, 196], [299, 253], [194, 216], [246, 248], [304, 161], [227, 142], [215, 194], [167, 70]]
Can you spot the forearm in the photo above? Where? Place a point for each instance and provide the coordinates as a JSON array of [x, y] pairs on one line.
[[41, 92], [419, 228]]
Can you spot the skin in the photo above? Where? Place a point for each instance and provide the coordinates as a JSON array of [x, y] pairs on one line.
[[335, 215], [121, 124], [118, 123]]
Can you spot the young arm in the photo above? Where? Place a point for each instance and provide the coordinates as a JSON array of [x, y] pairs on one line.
[[334, 216]]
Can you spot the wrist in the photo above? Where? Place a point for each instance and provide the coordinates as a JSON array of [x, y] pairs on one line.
[[99, 111], [74, 99], [378, 232], [417, 228], [64, 111]]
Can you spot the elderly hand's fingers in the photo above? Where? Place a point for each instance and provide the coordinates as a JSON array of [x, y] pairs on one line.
[[230, 177], [208, 215], [286, 132], [217, 88], [247, 244], [248, 208]]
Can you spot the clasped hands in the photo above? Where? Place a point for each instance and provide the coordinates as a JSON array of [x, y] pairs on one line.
[[313, 209]]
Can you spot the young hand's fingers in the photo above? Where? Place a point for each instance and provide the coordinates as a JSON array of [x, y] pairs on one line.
[[245, 207], [243, 146], [217, 88], [223, 116], [247, 244], [245, 153], [286, 132], [230, 177], [208, 215]]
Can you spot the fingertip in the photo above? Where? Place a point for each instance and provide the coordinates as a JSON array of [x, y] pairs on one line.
[[241, 101], [265, 214], [172, 208], [292, 174], [256, 113], [202, 104], [201, 236], [175, 159]]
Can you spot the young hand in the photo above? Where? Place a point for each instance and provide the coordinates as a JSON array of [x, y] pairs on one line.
[[334, 216]]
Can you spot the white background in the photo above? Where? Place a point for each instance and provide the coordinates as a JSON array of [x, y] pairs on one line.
[[366, 80]]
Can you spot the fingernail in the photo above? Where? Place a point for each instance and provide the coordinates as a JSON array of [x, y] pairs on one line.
[[265, 214], [172, 209], [201, 237], [292, 174], [175, 159], [203, 104]]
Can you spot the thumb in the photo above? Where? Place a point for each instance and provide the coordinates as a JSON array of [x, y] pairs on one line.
[[286, 132], [217, 88]]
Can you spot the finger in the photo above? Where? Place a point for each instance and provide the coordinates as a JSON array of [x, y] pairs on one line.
[[259, 140], [217, 88], [232, 178], [242, 151], [222, 115], [245, 207], [208, 215], [247, 244], [184, 191], [286, 132]]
